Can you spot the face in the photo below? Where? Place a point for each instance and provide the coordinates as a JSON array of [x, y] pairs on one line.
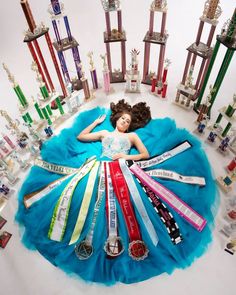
[[123, 123]]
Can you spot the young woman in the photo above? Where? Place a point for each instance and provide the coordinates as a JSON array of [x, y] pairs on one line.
[[117, 144]]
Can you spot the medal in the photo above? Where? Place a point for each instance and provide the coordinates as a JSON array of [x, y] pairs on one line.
[[113, 246], [138, 250], [83, 250]]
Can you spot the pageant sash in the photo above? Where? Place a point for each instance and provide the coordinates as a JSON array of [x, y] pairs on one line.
[[167, 174], [83, 212], [55, 168], [165, 156], [61, 211], [30, 199], [113, 246], [170, 198], [84, 249], [165, 215], [138, 201], [137, 248]]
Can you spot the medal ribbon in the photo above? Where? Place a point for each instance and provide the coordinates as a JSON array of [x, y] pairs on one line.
[[113, 245], [84, 249], [85, 204], [165, 156], [61, 211], [111, 205], [137, 249], [138, 201], [170, 198], [55, 168], [100, 194], [167, 174]]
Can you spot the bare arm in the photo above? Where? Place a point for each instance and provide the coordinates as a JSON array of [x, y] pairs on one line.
[[87, 136], [138, 144]]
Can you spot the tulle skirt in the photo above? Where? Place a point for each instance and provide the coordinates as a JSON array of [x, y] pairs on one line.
[[159, 135]]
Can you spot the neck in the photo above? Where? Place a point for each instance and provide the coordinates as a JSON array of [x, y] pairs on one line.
[[118, 131]]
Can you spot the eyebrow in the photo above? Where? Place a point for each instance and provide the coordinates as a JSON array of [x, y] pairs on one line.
[[127, 119]]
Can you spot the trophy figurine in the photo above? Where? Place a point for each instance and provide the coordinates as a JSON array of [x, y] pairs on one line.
[[93, 70], [106, 74]]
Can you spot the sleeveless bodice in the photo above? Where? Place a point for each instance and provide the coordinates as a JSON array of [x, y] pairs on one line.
[[114, 143]]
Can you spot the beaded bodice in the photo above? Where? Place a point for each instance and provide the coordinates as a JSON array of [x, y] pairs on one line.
[[114, 143]]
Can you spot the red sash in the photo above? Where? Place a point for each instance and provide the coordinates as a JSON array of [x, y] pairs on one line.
[[137, 248]]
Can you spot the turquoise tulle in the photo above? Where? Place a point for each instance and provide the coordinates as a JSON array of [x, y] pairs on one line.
[[158, 136]]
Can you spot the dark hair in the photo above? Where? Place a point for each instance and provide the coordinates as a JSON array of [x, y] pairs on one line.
[[140, 113]]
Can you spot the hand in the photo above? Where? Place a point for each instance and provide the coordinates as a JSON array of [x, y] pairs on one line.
[[100, 119], [119, 156]]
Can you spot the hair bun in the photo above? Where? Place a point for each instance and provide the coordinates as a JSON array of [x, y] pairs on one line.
[[141, 115], [120, 106]]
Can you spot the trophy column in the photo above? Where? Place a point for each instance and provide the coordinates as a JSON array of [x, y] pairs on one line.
[[114, 36], [56, 10], [188, 90], [158, 38], [228, 39], [31, 38]]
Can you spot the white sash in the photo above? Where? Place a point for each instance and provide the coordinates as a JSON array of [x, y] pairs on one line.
[[167, 174], [55, 168], [165, 156]]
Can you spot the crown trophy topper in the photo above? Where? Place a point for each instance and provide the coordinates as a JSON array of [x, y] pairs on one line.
[[159, 5], [212, 9], [111, 5]]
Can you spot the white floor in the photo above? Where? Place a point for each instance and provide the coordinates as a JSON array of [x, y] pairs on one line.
[[25, 272]]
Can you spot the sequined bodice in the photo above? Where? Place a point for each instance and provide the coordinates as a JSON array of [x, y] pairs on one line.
[[115, 143]]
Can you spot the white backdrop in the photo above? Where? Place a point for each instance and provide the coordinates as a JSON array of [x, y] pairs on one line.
[[87, 22]]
